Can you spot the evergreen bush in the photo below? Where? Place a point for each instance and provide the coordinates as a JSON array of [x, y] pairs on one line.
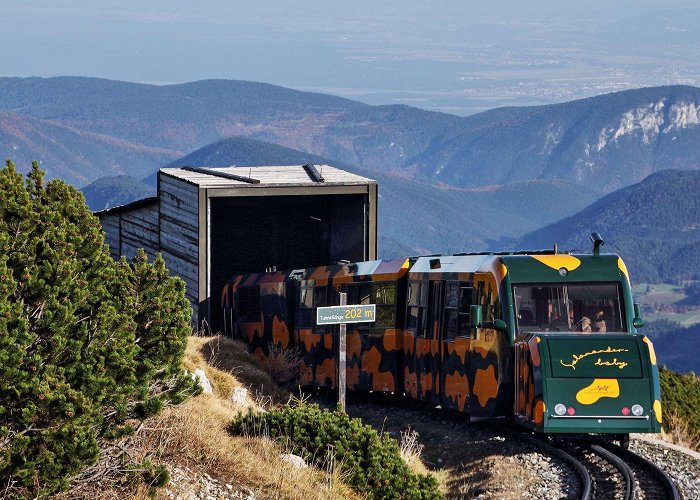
[[372, 462], [85, 342], [680, 397]]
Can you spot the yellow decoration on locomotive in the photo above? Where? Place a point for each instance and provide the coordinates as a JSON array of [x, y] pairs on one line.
[[556, 262], [600, 388], [657, 410]]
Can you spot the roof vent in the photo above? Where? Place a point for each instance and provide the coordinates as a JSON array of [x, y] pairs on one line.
[[313, 173], [435, 264]]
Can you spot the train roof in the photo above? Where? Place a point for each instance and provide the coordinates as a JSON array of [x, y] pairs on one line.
[[376, 269], [522, 266], [445, 264]]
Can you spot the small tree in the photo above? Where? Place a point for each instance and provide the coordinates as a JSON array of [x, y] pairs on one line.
[[162, 315], [77, 352]]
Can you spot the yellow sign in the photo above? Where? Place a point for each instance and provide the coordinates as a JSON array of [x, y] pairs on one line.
[[600, 388], [575, 358]]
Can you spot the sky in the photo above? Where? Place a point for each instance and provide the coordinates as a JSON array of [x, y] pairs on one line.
[[446, 55]]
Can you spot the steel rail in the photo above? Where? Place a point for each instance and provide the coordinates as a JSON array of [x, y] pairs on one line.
[[662, 477], [620, 464], [581, 471]]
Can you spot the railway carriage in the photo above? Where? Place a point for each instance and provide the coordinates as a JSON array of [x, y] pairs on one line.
[[549, 339]]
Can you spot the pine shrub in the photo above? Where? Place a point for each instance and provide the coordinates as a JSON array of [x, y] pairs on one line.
[[371, 462], [680, 397], [84, 341]]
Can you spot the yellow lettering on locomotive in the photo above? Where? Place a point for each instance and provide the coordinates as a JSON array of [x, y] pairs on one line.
[[575, 358], [614, 362]]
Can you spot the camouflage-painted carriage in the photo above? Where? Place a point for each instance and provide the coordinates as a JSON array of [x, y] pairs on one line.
[[547, 338]]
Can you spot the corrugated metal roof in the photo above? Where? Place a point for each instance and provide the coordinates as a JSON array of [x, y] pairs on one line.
[[269, 176]]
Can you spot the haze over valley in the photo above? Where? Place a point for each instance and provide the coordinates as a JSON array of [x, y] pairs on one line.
[[452, 56]]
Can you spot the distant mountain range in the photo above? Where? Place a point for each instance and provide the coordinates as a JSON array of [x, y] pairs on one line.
[[603, 143], [76, 155], [446, 183], [415, 217], [116, 190], [654, 225]]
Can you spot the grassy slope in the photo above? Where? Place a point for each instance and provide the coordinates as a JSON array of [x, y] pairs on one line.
[[193, 437]]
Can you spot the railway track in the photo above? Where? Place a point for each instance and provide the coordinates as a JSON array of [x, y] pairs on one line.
[[607, 471]]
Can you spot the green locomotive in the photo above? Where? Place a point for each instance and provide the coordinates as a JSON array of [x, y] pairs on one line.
[[547, 338]]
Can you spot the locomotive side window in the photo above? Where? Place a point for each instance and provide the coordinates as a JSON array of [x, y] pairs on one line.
[[458, 300], [573, 307]]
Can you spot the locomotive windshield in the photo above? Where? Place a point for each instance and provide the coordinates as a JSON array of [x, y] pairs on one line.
[[571, 307]]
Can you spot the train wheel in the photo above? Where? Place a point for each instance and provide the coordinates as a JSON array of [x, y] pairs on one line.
[[624, 441]]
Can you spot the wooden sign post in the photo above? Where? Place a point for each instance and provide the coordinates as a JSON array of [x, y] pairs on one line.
[[342, 362], [341, 315]]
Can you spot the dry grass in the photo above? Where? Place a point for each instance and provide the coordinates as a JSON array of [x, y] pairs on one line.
[[231, 357], [411, 450], [193, 436]]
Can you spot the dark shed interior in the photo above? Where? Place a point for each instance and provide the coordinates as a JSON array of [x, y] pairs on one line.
[[284, 232]]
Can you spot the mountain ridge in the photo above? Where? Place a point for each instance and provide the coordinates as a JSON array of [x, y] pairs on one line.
[[603, 143], [415, 217], [654, 225]]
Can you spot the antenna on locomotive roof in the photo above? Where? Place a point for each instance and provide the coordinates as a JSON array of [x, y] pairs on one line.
[[597, 243], [555, 249]]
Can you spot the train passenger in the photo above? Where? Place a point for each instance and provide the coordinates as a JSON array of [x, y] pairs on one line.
[[586, 325], [599, 323]]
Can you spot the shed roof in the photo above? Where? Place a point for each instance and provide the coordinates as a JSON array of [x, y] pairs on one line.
[[132, 205], [268, 176]]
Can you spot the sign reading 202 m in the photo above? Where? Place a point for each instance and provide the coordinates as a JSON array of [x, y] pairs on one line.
[[335, 315]]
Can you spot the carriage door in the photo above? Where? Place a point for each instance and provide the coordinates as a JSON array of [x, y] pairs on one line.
[[485, 361], [434, 322], [455, 345]]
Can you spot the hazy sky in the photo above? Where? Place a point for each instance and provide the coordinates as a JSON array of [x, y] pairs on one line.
[[454, 55]]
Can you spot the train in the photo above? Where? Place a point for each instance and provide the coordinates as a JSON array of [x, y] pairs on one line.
[[548, 339]]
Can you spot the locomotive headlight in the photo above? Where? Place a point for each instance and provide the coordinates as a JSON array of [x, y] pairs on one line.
[[637, 410], [563, 272], [560, 409]]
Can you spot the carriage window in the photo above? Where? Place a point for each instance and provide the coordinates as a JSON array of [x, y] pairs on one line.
[[306, 298], [458, 300], [383, 295], [415, 311], [319, 296], [580, 307], [305, 313]]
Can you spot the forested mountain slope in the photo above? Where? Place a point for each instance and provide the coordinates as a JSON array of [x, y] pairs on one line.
[[654, 225]]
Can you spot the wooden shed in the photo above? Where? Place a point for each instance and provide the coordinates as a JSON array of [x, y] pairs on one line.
[[212, 223]]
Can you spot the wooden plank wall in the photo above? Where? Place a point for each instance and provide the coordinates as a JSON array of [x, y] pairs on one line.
[[110, 225], [127, 231], [139, 229], [179, 233]]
